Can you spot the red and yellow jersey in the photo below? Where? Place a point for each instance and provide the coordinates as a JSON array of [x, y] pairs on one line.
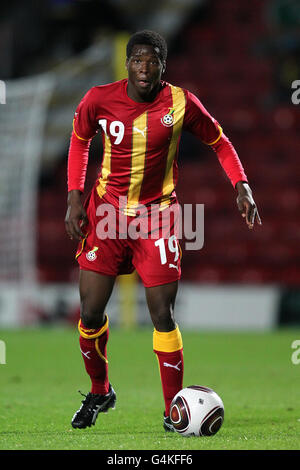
[[140, 140]]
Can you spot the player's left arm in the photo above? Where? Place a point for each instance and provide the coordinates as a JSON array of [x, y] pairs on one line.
[[246, 204], [206, 128], [233, 167]]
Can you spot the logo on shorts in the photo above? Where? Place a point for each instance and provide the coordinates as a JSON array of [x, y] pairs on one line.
[[168, 119], [91, 255]]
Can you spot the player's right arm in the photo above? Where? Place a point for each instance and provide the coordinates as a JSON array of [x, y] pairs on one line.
[[84, 129], [76, 216]]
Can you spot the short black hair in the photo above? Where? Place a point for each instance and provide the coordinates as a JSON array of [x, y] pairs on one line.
[[150, 38]]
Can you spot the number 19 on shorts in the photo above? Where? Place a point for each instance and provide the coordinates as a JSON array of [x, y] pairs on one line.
[[172, 247]]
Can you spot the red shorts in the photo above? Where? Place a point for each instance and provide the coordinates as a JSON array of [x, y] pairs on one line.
[[118, 244]]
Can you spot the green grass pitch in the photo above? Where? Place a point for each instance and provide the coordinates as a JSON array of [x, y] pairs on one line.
[[252, 372]]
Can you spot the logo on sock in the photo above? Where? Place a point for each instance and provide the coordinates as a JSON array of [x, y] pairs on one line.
[[166, 364], [85, 354]]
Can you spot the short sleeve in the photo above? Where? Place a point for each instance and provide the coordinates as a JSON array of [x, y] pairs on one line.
[[199, 122], [84, 123]]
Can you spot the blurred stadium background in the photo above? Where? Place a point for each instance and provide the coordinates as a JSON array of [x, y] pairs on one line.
[[240, 59]]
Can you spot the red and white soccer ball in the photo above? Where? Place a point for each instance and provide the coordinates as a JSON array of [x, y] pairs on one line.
[[197, 411]]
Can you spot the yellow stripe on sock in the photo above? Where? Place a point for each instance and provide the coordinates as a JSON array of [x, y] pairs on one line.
[[99, 352], [167, 341], [88, 333]]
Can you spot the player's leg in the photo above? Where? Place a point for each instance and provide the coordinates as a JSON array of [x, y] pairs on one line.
[[156, 257], [100, 260], [167, 342], [95, 290], [161, 303]]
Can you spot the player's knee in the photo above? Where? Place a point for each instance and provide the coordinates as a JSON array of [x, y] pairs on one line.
[[163, 320], [91, 317]]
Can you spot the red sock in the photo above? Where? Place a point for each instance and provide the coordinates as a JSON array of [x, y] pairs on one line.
[[168, 349], [93, 349], [171, 374]]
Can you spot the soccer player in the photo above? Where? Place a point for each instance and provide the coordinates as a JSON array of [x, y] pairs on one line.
[[141, 119]]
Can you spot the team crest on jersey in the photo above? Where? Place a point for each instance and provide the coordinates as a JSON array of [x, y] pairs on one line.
[[168, 119], [91, 255]]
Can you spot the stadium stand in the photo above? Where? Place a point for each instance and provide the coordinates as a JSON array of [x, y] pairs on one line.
[[224, 62]]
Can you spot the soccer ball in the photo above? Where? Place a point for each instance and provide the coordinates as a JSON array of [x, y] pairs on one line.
[[197, 411]]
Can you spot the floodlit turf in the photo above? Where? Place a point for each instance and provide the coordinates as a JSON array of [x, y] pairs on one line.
[[253, 373]]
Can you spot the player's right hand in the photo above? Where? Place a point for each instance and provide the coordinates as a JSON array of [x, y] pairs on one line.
[[76, 217]]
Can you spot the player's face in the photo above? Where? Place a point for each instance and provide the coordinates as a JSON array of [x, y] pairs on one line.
[[144, 73]]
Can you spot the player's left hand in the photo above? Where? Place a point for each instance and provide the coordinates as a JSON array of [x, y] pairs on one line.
[[246, 204]]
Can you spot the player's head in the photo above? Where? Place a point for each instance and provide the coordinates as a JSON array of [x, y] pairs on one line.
[[150, 38], [145, 62]]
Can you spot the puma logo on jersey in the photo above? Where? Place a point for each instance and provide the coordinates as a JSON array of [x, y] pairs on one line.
[[140, 131], [173, 266], [176, 366]]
